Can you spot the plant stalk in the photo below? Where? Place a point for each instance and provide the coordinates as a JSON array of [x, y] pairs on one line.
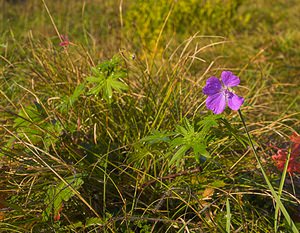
[[274, 194]]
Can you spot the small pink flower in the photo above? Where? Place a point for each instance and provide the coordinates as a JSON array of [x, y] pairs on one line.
[[65, 41]]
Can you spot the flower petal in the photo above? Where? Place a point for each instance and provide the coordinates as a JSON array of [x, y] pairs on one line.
[[213, 86], [295, 138], [280, 156], [234, 101], [216, 102], [229, 79], [295, 150]]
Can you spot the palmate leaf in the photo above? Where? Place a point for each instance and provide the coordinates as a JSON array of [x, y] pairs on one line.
[[119, 74], [58, 194], [93, 79], [77, 92], [179, 141], [106, 78], [185, 139], [158, 137], [96, 90], [33, 123], [110, 85], [188, 139], [107, 91], [200, 150], [208, 122], [93, 221], [28, 115], [179, 155], [95, 71], [117, 85], [181, 130], [68, 101], [186, 129]]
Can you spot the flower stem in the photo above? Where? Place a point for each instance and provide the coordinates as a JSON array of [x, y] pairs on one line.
[[280, 189], [274, 194]]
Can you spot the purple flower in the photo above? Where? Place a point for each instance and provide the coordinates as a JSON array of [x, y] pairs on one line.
[[219, 93]]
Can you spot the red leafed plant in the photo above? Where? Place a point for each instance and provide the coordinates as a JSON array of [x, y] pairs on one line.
[[282, 154]]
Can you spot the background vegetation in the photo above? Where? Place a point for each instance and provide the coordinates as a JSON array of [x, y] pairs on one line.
[[111, 134]]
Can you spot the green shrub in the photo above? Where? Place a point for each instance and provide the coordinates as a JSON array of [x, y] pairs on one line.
[[145, 19]]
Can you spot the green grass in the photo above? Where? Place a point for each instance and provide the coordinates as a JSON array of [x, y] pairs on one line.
[[111, 134]]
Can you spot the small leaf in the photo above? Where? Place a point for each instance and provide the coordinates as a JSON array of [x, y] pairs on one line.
[[95, 71], [157, 137], [95, 90], [58, 194], [181, 130], [218, 184], [108, 91], [77, 92], [107, 78], [177, 142], [76, 225], [119, 86], [178, 155], [93, 79], [208, 122], [200, 151], [93, 221], [208, 192], [200, 148]]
